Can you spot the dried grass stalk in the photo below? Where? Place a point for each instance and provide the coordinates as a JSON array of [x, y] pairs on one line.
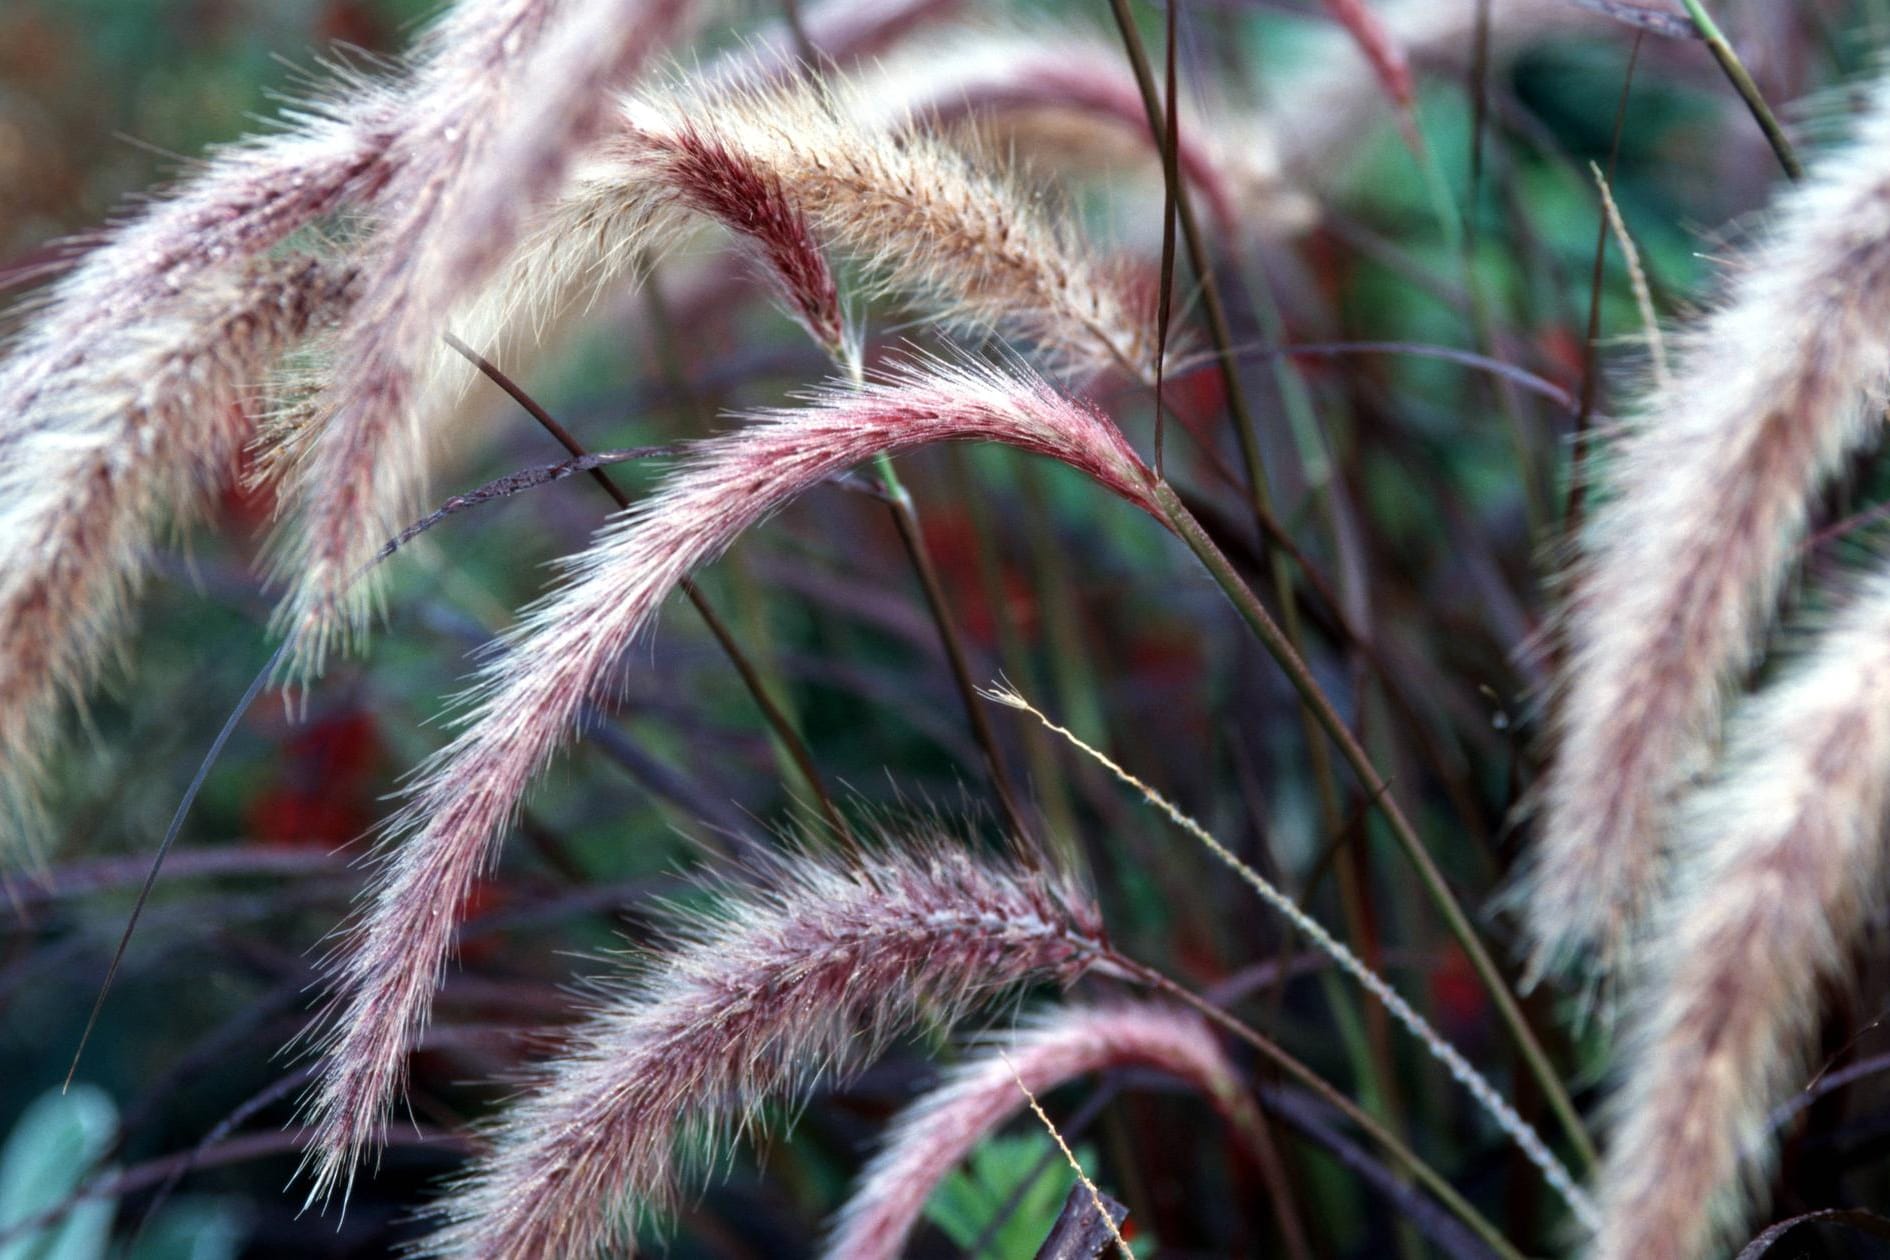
[[1494, 1105], [936, 1133], [782, 987], [1681, 563], [1779, 862], [138, 430], [564, 655]]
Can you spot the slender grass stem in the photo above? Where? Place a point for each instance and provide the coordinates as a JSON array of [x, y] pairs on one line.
[[906, 519], [1460, 242], [757, 649], [905, 514], [1371, 1053], [1050, 793], [1368, 976], [1741, 79], [1591, 374], [1211, 305], [1274, 639], [1178, 205]]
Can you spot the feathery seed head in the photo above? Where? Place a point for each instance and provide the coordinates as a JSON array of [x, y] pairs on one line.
[[781, 165], [195, 253], [750, 201], [928, 219], [784, 985], [1710, 488], [138, 432], [566, 650], [512, 91], [1777, 863]]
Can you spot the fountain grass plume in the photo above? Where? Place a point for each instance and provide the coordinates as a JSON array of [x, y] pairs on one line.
[[751, 201], [795, 171], [931, 221], [785, 984], [194, 253], [1778, 862], [136, 434], [565, 653], [1706, 495], [505, 100]]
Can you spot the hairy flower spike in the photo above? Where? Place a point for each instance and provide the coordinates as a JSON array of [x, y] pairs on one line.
[[936, 1133], [192, 255], [1779, 861], [564, 654], [750, 201], [788, 166], [793, 981], [243, 202], [1679, 566], [364, 140], [928, 219], [513, 89], [759, 156], [139, 430]]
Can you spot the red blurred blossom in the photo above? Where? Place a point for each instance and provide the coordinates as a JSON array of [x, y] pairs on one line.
[[352, 22], [248, 503], [953, 542], [1564, 354], [1456, 993], [326, 790]]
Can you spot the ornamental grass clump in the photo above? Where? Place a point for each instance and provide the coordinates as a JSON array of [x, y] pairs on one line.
[[566, 653], [1339, 369]]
